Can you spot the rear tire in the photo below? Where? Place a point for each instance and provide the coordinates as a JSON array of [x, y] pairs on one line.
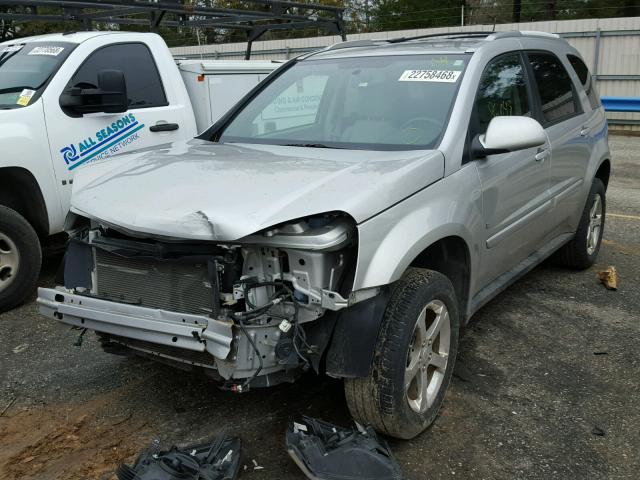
[[414, 357], [20, 259], [582, 251]]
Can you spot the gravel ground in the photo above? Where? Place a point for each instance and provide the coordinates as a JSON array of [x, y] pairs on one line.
[[546, 385]]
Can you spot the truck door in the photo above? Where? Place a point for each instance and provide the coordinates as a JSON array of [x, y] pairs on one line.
[[151, 119]]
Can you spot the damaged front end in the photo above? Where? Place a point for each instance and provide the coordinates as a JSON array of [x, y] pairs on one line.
[[252, 312]]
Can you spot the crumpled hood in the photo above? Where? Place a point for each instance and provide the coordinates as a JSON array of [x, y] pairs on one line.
[[200, 190]]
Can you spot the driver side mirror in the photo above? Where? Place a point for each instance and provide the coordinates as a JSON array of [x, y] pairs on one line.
[[508, 134], [109, 97]]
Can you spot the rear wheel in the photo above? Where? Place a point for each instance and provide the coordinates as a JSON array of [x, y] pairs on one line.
[[20, 258], [414, 357], [581, 252]]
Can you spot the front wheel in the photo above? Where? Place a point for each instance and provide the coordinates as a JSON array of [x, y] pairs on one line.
[[414, 357], [20, 258]]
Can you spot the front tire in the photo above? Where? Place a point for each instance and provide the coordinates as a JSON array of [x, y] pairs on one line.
[[414, 357], [581, 252], [20, 259]]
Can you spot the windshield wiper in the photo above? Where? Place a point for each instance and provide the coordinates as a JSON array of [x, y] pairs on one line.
[[311, 145], [7, 55], [17, 89]]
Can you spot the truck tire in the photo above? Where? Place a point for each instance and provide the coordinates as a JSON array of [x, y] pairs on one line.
[[581, 252], [20, 259], [414, 357]]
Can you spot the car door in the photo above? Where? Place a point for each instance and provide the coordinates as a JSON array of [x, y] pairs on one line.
[[568, 128], [515, 185], [76, 140]]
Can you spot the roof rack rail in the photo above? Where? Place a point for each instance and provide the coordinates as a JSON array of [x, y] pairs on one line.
[[444, 35], [523, 33], [451, 35], [356, 43], [537, 33]]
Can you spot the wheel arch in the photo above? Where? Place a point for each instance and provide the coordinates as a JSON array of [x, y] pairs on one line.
[[603, 172], [451, 257], [350, 351], [19, 190]]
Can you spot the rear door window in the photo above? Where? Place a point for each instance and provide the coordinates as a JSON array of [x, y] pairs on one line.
[[553, 84], [586, 79]]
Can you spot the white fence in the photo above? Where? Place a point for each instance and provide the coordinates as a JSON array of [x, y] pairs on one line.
[[610, 46]]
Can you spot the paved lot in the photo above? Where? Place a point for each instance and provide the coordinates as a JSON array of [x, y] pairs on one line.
[[542, 367]]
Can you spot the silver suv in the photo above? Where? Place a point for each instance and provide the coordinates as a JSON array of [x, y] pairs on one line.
[[349, 216]]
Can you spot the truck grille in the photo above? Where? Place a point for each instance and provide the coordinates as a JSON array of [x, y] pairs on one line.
[[167, 285]]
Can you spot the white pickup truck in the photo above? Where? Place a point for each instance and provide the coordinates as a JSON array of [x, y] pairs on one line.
[[67, 100]]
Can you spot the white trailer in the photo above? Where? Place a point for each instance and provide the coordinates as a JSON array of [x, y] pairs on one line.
[[219, 84]]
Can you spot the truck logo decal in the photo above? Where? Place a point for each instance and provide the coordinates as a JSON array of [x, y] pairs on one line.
[[70, 154], [123, 131]]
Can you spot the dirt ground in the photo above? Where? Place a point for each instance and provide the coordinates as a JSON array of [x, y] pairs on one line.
[[547, 385]]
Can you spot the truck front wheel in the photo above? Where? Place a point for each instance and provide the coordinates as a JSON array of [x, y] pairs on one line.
[[414, 357], [20, 258]]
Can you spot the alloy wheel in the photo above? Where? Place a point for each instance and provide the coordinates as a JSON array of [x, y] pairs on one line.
[[595, 224], [428, 356]]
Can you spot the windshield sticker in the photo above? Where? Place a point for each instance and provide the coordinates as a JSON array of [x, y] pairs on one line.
[[47, 50], [441, 62], [448, 76], [11, 48], [25, 97], [111, 139]]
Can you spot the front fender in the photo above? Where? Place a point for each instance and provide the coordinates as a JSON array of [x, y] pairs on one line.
[[24, 145], [391, 240]]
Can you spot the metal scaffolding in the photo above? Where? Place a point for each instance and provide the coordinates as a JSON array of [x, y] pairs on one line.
[[263, 15]]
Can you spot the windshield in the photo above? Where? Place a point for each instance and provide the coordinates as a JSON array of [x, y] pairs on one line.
[[25, 70], [377, 103]]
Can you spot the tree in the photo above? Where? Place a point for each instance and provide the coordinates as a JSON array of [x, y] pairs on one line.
[[10, 30], [408, 14], [517, 9]]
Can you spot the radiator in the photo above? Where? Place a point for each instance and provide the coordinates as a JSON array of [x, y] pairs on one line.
[[167, 285]]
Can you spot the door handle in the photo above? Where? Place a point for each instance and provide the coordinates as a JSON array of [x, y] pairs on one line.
[[584, 131], [542, 154], [164, 127]]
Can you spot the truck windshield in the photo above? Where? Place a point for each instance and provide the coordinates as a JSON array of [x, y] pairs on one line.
[[377, 103], [25, 69]]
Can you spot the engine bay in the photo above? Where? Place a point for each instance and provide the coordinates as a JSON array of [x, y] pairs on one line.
[[271, 289]]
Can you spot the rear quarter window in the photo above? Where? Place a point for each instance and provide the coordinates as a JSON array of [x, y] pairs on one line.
[[554, 87], [586, 79]]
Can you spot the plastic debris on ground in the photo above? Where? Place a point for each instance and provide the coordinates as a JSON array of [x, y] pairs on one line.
[[327, 452], [218, 459], [609, 278]]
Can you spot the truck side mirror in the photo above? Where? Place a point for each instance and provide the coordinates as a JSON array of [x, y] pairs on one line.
[[109, 97]]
